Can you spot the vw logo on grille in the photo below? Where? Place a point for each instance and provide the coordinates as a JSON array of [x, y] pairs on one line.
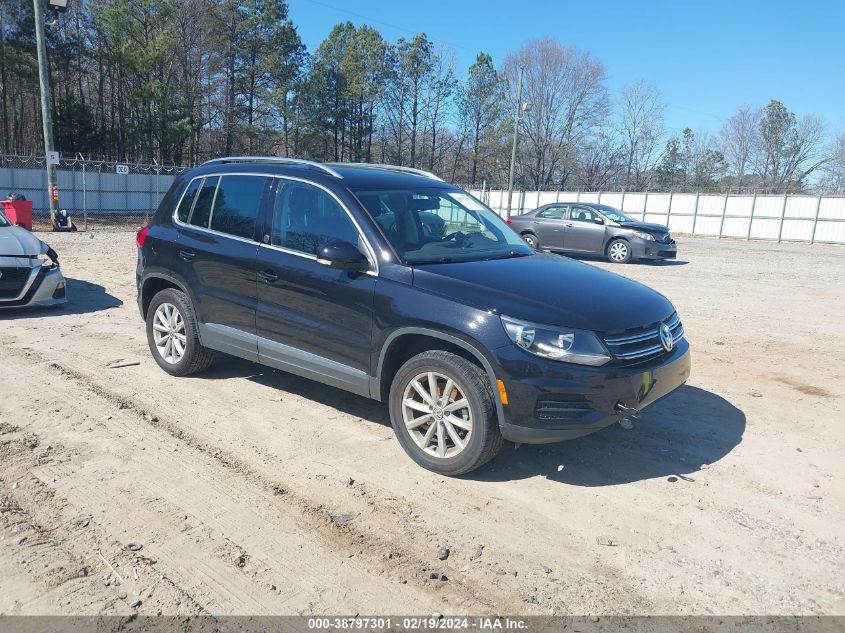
[[666, 337]]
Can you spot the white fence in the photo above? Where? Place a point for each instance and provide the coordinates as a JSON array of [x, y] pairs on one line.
[[93, 191], [756, 217]]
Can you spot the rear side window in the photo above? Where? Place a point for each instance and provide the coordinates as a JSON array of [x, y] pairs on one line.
[[553, 213], [236, 205], [306, 217], [205, 198], [188, 200]]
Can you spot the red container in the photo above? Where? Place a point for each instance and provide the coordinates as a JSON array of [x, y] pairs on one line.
[[19, 212]]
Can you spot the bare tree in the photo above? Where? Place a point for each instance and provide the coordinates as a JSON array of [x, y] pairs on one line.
[[834, 170], [569, 98], [739, 136], [641, 128], [788, 149]]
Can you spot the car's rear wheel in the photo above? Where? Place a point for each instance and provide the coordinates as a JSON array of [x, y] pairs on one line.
[[619, 252], [531, 240], [443, 413], [172, 334]]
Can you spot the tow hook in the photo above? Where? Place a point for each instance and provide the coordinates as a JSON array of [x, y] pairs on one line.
[[629, 415]]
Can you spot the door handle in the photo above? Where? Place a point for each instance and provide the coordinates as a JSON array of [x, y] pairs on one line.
[[187, 255], [569, 224], [268, 275]]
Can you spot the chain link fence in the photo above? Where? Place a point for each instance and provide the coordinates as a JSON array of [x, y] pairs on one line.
[[98, 194]]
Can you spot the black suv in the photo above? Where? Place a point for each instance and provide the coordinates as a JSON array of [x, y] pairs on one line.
[[337, 272]]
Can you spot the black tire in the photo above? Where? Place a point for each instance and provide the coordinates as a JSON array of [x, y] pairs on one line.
[[613, 252], [532, 240], [485, 439], [196, 358]]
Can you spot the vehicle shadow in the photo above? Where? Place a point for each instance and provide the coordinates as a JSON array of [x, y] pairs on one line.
[[226, 366], [84, 297], [674, 438], [656, 263]]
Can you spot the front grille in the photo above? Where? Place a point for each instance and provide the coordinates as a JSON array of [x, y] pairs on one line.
[[664, 238], [645, 343], [12, 281], [561, 409]]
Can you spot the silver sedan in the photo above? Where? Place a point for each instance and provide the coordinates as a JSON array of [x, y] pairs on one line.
[[29, 270], [594, 229]]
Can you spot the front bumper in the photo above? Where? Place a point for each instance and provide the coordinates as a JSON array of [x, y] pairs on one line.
[[552, 402], [647, 249], [44, 287]]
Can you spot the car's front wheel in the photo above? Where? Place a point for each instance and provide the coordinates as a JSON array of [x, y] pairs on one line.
[[619, 252], [443, 413], [172, 334]]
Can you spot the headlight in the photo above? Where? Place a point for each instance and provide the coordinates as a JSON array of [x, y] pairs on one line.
[[48, 257], [565, 344], [644, 236]]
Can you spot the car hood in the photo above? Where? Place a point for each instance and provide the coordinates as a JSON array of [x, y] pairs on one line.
[[16, 241], [645, 226], [548, 289]]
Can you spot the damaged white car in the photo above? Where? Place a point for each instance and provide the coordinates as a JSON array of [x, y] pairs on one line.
[[29, 270]]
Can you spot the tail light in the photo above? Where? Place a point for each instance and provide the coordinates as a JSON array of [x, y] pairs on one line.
[[508, 221], [141, 235]]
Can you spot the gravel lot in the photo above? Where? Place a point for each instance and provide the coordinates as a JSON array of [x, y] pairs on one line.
[[250, 491]]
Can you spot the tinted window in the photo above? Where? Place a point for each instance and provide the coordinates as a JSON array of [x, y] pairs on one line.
[[583, 214], [306, 218], [188, 200], [202, 208], [553, 213], [236, 205]]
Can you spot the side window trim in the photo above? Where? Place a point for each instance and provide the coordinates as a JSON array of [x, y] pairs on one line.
[[371, 253]]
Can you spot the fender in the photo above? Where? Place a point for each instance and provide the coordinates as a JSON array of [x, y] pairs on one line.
[[178, 282], [375, 383]]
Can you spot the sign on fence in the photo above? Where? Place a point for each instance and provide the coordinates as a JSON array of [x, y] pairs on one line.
[[53, 158], [123, 170]]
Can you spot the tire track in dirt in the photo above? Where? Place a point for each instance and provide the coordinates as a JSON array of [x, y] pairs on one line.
[[387, 559]]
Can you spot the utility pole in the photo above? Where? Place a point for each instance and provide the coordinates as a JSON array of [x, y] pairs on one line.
[[516, 120], [46, 106]]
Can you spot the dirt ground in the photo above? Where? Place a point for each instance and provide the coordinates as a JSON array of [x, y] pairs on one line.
[[249, 491]]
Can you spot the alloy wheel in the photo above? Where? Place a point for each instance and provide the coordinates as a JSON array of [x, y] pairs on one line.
[[169, 333], [437, 414], [529, 239]]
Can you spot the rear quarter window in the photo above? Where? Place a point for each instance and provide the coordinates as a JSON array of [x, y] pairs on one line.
[[202, 209], [184, 210]]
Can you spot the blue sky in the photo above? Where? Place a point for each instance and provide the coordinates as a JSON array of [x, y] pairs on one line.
[[706, 58]]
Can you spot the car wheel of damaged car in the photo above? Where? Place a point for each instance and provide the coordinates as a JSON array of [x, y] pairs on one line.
[[619, 252], [443, 413], [172, 334]]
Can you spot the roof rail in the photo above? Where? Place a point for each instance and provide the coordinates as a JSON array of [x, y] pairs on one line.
[[276, 159], [406, 170]]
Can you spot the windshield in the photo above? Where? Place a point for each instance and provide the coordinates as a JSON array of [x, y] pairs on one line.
[[432, 226], [3, 220], [614, 214]]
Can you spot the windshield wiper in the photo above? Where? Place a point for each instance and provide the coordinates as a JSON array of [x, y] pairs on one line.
[[509, 255]]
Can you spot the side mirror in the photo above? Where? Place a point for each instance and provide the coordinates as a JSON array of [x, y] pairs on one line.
[[343, 255], [598, 220]]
